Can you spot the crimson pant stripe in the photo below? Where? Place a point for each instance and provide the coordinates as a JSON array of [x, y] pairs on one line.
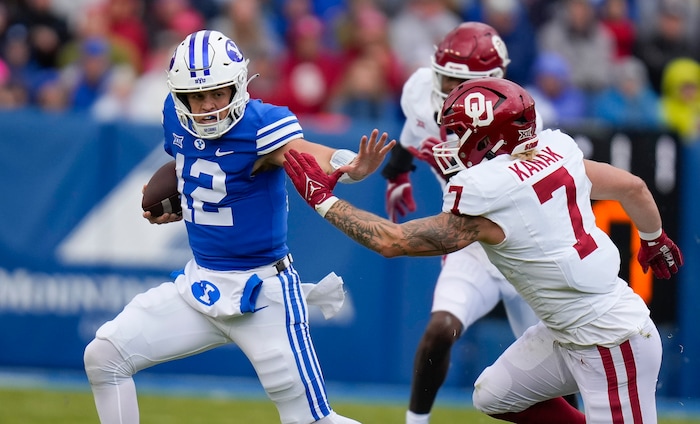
[[631, 369], [613, 395], [300, 339]]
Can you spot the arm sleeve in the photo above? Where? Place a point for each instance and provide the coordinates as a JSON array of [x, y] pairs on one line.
[[400, 161]]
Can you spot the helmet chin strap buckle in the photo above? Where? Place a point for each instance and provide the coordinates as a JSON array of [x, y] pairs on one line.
[[492, 153]]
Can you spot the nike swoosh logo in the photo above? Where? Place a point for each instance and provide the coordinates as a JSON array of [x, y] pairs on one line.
[[262, 307], [220, 153]]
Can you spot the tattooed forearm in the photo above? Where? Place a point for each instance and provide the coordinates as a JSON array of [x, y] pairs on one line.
[[433, 236], [445, 232], [363, 227]]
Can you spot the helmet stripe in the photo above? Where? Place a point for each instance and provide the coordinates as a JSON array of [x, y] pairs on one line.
[[205, 53], [191, 51]]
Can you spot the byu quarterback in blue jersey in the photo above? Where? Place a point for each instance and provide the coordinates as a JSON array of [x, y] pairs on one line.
[[241, 286], [236, 218]]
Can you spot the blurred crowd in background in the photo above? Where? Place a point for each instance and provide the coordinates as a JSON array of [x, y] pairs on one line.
[[622, 62]]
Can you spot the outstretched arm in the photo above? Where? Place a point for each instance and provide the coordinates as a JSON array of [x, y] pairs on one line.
[[370, 154], [432, 236]]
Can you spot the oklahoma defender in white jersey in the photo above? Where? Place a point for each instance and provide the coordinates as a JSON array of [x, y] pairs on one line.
[[527, 200], [468, 286]]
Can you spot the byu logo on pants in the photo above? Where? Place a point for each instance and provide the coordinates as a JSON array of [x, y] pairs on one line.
[[205, 292]]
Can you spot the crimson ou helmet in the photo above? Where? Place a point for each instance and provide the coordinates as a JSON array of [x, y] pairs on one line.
[[208, 60], [472, 50], [490, 117]]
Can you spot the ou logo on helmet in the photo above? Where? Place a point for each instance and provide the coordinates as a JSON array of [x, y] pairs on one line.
[[501, 49], [479, 109]]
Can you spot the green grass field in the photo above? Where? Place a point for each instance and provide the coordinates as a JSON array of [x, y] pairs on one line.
[[33, 406]]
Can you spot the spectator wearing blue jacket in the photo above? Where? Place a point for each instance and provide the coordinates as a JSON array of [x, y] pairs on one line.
[[559, 101], [630, 101], [91, 73]]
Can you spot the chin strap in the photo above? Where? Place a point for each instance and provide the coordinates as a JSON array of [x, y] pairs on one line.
[[218, 127], [492, 153]]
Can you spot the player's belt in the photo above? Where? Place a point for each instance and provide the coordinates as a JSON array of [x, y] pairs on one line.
[[283, 263], [267, 271]]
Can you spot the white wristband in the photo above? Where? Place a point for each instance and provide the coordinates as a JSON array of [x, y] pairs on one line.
[[322, 208], [340, 158], [650, 236]]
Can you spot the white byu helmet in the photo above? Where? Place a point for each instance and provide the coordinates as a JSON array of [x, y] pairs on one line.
[[208, 60]]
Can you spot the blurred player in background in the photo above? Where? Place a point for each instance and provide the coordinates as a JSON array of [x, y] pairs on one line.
[[526, 198], [241, 286], [468, 286]]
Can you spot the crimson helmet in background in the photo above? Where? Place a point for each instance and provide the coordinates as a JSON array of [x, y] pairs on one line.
[[472, 50], [490, 117]]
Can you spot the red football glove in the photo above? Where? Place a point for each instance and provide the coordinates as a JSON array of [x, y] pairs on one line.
[[399, 197], [662, 255], [312, 182], [425, 152]]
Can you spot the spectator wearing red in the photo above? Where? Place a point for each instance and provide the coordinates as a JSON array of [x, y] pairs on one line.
[[362, 34], [615, 16], [126, 25], [178, 16], [309, 70]]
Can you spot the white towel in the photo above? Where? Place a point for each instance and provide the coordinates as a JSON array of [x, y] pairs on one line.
[[328, 294]]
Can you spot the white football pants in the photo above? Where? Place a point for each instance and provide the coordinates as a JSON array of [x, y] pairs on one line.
[[159, 326]]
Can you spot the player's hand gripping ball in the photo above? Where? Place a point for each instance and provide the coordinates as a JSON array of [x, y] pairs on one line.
[[160, 194]]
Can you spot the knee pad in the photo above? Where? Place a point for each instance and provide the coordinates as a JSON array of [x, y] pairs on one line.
[[490, 391], [276, 377], [104, 364]]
